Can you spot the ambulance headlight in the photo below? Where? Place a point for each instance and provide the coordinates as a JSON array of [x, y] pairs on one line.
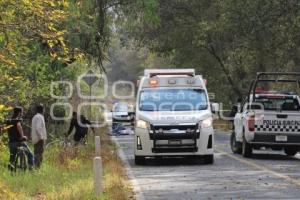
[[141, 124], [207, 123]]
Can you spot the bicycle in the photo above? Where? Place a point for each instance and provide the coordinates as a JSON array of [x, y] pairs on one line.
[[20, 161], [67, 143]]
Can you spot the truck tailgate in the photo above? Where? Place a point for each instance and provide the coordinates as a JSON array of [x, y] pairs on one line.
[[277, 122]]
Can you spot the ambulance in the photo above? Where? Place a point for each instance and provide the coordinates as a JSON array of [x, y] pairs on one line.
[[173, 116]]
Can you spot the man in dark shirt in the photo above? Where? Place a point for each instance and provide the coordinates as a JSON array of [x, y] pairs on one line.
[[81, 124], [16, 138]]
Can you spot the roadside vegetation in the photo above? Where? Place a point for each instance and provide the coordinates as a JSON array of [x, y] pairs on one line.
[[66, 174], [43, 41], [223, 125]]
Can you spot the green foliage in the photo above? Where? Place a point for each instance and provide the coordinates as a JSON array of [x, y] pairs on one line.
[[24, 21], [39, 40], [129, 62], [147, 10], [68, 174], [226, 41], [33, 51]]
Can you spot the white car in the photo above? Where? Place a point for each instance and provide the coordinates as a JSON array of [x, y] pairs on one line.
[[173, 116], [122, 113], [269, 119]]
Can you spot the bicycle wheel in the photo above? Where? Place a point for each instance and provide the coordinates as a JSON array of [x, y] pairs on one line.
[[17, 162], [23, 160], [55, 142]]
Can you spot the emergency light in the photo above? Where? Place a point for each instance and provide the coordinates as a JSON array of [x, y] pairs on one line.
[[167, 72], [153, 82]]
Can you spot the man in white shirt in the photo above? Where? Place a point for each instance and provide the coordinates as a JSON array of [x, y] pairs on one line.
[[38, 135]]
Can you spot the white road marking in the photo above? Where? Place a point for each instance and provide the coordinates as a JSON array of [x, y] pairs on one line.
[[219, 153], [136, 187]]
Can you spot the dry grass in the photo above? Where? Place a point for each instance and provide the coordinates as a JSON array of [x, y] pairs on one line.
[[117, 186], [6, 193], [68, 174]]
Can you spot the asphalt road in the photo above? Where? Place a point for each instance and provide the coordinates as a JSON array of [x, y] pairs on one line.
[[268, 175]]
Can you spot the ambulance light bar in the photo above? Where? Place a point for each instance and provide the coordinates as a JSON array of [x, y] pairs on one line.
[[168, 72]]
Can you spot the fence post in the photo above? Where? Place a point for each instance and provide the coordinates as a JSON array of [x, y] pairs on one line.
[[97, 146], [98, 175]]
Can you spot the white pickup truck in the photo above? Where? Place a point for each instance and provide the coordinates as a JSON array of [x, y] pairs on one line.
[[268, 119]]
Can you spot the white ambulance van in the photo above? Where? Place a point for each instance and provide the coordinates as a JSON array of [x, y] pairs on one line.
[[173, 116]]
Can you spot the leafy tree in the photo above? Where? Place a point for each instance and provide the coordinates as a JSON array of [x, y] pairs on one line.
[[226, 41]]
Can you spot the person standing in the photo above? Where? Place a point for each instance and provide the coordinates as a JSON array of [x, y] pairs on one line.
[[38, 135], [16, 138]]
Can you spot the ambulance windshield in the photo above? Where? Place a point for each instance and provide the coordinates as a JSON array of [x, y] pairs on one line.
[[173, 99]]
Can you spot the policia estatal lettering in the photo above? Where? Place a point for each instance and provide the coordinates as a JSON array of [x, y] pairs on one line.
[[281, 123]]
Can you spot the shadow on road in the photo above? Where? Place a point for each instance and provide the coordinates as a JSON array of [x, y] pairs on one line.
[[273, 156], [174, 161]]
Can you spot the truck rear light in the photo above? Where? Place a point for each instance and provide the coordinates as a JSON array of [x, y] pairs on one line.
[[260, 91], [251, 123]]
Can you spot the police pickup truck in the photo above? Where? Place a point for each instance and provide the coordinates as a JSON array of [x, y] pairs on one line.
[[173, 116], [268, 119]]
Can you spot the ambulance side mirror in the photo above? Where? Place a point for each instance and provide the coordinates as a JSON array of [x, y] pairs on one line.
[[215, 107]]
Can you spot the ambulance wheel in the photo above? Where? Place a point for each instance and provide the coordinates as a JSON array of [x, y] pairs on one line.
[[246, 148], [139, 160], [209, 159], [290, 151], [236, 147]]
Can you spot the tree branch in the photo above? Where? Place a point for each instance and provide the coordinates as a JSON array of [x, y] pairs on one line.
[[212, 51]]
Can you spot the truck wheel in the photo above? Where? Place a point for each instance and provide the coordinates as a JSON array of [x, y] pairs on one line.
[[246, 148], [139, 160], [236, 147], [290, 151], [209, 159]]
